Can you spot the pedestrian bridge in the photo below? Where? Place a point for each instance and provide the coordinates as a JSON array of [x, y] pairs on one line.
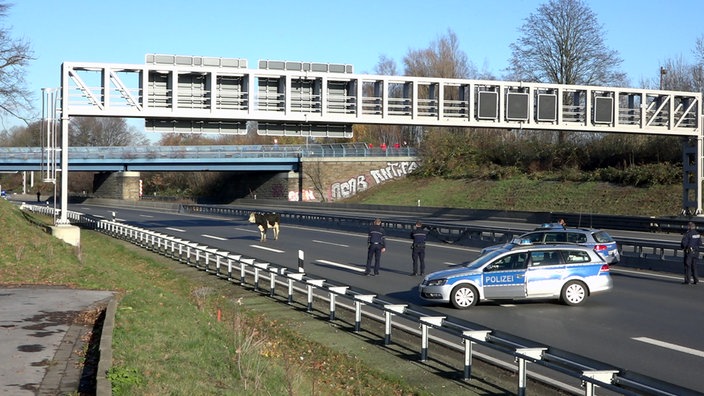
[[200, 94]]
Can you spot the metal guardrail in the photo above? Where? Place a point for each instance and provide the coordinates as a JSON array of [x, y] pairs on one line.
[[238, 269], [475, 235]]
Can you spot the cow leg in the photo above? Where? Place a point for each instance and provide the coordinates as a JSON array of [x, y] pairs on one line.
[[262, 234], [276, 230]]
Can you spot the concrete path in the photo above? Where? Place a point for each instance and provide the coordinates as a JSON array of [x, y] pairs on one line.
[[41, 334]]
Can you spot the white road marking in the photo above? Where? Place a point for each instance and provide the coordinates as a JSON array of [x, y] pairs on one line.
[[246, 229], [175, 229], [668, 345], [330, 243], [388, 238], [266, 248], [213, 237], [334, 264], [623, 270], [148, 216], [100, 217]]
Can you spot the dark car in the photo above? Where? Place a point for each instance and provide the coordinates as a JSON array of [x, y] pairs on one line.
[[550, 233]]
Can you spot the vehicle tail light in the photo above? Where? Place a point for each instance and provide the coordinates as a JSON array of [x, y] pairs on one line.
[[604, 268], [601, 248]]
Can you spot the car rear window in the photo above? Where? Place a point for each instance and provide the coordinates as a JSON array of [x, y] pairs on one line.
[[576, 237], [602, 237], [552, 237]]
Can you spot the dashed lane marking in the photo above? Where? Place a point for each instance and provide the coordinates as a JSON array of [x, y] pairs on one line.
[[668, 345], [267, 248], [334, 264], [213, 237], [330, 243]]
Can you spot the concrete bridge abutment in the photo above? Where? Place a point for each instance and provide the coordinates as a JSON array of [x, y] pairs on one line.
[[117, 185]]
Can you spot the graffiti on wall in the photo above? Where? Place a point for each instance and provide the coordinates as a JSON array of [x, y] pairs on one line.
[[348, 188], [308, 195]]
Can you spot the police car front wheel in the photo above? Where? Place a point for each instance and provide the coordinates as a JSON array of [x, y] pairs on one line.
[[464, 296], [574, 293]]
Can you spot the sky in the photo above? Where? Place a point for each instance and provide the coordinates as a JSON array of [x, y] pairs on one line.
[[645, 33]]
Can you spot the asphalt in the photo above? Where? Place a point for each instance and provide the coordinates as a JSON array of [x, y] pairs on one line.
[[44, 332]]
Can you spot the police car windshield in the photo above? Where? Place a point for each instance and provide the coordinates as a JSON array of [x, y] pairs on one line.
[[481, 260]]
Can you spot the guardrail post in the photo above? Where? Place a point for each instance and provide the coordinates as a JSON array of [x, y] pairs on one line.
[[334, 291], [291, 278], [311, 283], [244, 261], [425, 322], [603, 376], [231, 260], [359, 299], [217, 265], [390, 309], [207, 259], [257, 267], [521, 355], [272, 279], [471, 334], [188, 254], [198, 258]]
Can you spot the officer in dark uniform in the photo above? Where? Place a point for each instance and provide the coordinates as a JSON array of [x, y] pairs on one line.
[[691, 241], [376, 243], [418, 235]]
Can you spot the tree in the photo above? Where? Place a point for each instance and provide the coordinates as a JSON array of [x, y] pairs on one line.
[[15, 98], [442, 59], [22, 136], [103, 131], [563, 43]]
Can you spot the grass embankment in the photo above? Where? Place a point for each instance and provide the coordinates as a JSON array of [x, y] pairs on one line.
[[168, 338], [524, 194]]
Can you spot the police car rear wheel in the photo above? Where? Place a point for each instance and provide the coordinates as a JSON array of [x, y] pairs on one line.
[[464, 296], [574, 293]]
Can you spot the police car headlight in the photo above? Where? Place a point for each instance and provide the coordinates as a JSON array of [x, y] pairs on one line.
[[436, 282]]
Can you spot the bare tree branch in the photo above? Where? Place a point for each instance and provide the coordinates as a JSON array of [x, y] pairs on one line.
[[15, 55], [563, 43]]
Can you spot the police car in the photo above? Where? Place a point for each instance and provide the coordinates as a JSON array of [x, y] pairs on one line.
[[569, 273], [552, 233]]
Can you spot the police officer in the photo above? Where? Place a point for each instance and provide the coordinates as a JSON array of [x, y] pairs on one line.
[[418, 235], [376, 244], [691, 241]]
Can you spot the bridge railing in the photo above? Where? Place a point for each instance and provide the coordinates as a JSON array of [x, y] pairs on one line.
[[210, 151], [582, 375]]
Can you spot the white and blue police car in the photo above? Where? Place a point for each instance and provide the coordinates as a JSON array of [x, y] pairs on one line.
[[521, 271]]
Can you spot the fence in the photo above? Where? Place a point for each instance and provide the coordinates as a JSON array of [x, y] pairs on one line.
[[447, 332]]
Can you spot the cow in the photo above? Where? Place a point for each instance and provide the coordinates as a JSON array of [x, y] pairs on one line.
[[264, 221]]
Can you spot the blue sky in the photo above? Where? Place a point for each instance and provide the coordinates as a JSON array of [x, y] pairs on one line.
[[644, 32]]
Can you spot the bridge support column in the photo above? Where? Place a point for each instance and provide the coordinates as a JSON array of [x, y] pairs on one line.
[[117, 185]]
